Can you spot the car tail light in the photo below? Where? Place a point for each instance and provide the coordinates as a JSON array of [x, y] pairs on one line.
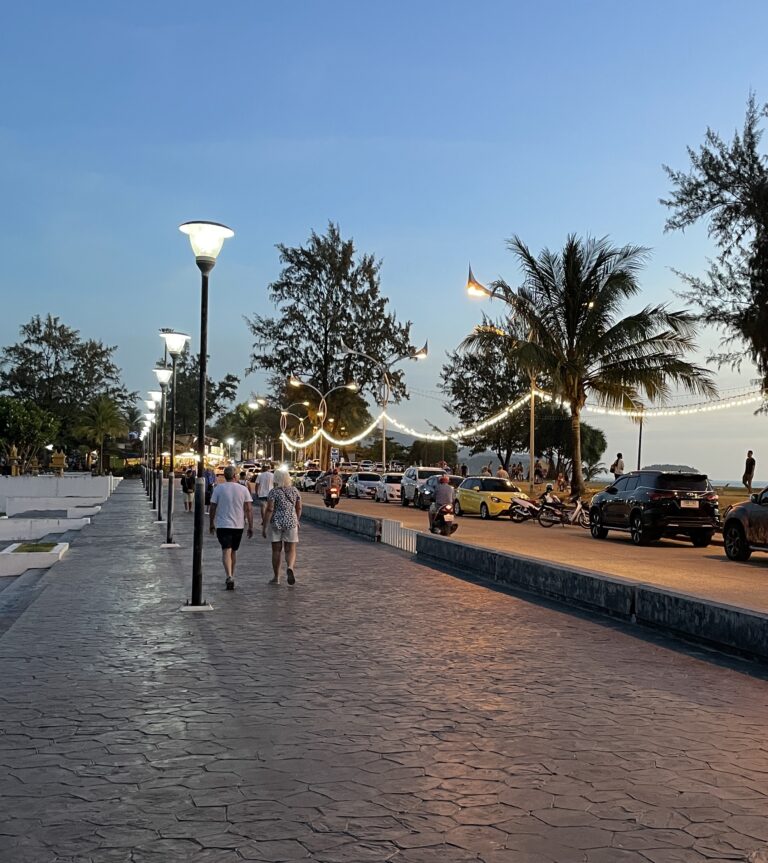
[[711, 496], [662, 495]]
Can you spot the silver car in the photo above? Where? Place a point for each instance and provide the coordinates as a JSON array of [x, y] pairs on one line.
[[388, 488], [362, 484]]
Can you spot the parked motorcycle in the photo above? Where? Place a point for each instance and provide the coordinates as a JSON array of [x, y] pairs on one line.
[[331, 497], [551, 514], [443, 522], [522, 509]]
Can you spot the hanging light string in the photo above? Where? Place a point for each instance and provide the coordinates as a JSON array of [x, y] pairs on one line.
[[682, 410]]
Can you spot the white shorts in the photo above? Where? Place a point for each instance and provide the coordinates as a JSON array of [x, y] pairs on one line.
[[189, 496], [274, 534]]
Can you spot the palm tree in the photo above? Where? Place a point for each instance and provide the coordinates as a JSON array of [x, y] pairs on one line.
[[102, 419], [594, 469], [570, 304]]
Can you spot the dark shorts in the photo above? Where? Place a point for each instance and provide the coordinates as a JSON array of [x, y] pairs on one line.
[[229, 537]]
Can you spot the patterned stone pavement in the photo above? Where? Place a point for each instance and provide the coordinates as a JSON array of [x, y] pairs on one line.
[[379, 711]]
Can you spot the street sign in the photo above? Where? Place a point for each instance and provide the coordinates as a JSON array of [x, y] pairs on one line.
[[334, 454]]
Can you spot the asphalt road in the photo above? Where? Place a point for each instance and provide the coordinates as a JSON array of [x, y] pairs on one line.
[[704, 572]]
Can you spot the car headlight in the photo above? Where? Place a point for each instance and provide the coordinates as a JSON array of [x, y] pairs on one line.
[[496, 500]]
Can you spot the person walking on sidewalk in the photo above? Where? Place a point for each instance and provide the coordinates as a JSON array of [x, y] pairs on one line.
[[264, 482], [749, 472], [230, 508], [281, 521], [188, 489]]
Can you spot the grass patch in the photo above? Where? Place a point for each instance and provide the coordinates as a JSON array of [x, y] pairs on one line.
[[29, 547]]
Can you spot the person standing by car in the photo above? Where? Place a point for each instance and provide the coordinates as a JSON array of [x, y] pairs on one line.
[[444, 496], [749, 472], [231, 507], [281, 520], [502, 473], [617, 468]]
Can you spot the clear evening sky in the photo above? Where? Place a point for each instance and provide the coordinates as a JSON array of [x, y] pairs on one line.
[[431, 131]]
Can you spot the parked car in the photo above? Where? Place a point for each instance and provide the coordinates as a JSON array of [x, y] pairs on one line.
[[388, 487], [487, 496], [306, 481], [366, 464], [426, 493], [745, 527], [362, 484], [650, 504], [412, 479]]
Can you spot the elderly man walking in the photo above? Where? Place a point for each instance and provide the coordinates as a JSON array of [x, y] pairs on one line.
[[231, 507]]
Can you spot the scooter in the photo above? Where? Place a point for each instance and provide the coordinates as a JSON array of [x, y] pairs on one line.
[[331, 498], [551, 514], [443, 522], [523, 510]]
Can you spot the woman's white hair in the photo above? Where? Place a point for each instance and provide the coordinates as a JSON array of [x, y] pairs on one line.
[[282, 478]]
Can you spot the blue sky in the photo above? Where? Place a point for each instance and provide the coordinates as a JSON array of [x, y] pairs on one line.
[[431, 131]]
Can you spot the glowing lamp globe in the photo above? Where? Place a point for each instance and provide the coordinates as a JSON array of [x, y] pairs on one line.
[[206, 238], [175, 342], [163, 376]]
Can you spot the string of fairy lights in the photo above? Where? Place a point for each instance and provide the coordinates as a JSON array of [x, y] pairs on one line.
[[748, 398]]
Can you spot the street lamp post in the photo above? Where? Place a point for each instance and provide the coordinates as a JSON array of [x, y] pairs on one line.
[[163, 376], [476, 289], [322, 408], [206, 239], [150, 417], [385, 390], [175, 344], [157, 398]]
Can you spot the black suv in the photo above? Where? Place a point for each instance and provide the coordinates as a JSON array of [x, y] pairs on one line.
[[650, 504]]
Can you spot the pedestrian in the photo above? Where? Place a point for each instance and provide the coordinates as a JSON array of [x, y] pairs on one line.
[[486, 471], [188, 489], [210, 482], [538, 472], [231, 508], [502, 472], [243, 478], [617, 468], [281, 521], [264, 482], [749, 472]]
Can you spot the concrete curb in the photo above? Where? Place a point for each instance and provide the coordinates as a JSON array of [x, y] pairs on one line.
[[725, 627]]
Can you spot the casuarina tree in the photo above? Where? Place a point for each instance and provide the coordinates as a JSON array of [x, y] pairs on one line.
[[570, 305], [726, 187], [327, 294]]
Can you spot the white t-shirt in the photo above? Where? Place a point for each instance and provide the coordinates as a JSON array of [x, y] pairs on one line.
[[264, 483], [230, 498], [619, 470]]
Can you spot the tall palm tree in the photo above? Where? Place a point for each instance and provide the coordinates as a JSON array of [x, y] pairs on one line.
[[102, 419], [570, 304]]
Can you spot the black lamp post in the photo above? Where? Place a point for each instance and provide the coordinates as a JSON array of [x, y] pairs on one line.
[[163, 375], [206, 239], [150, 417], [157, 398], [175, 344]]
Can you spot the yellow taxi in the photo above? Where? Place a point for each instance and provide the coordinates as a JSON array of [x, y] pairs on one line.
[[486, 496]]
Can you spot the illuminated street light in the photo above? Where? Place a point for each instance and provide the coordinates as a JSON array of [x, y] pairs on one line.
[[206, 239], [175, 344]]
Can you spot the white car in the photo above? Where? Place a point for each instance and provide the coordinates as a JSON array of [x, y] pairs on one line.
[[413, 479], [366, 464], [362, 484], [388, 488], [306, 481]]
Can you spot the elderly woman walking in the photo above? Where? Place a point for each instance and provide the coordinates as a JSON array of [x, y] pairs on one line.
[[281, 522]]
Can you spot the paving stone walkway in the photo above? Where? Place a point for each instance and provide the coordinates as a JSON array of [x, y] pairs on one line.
[[379, 711]]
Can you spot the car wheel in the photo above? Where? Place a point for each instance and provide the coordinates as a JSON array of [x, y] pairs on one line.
[[596, 525], [736, 545], [457, 508], [637, 530], [701, 538], [484, 514]]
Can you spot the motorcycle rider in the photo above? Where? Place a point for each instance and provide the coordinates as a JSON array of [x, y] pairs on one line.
[[334, 481], [444, 496]]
